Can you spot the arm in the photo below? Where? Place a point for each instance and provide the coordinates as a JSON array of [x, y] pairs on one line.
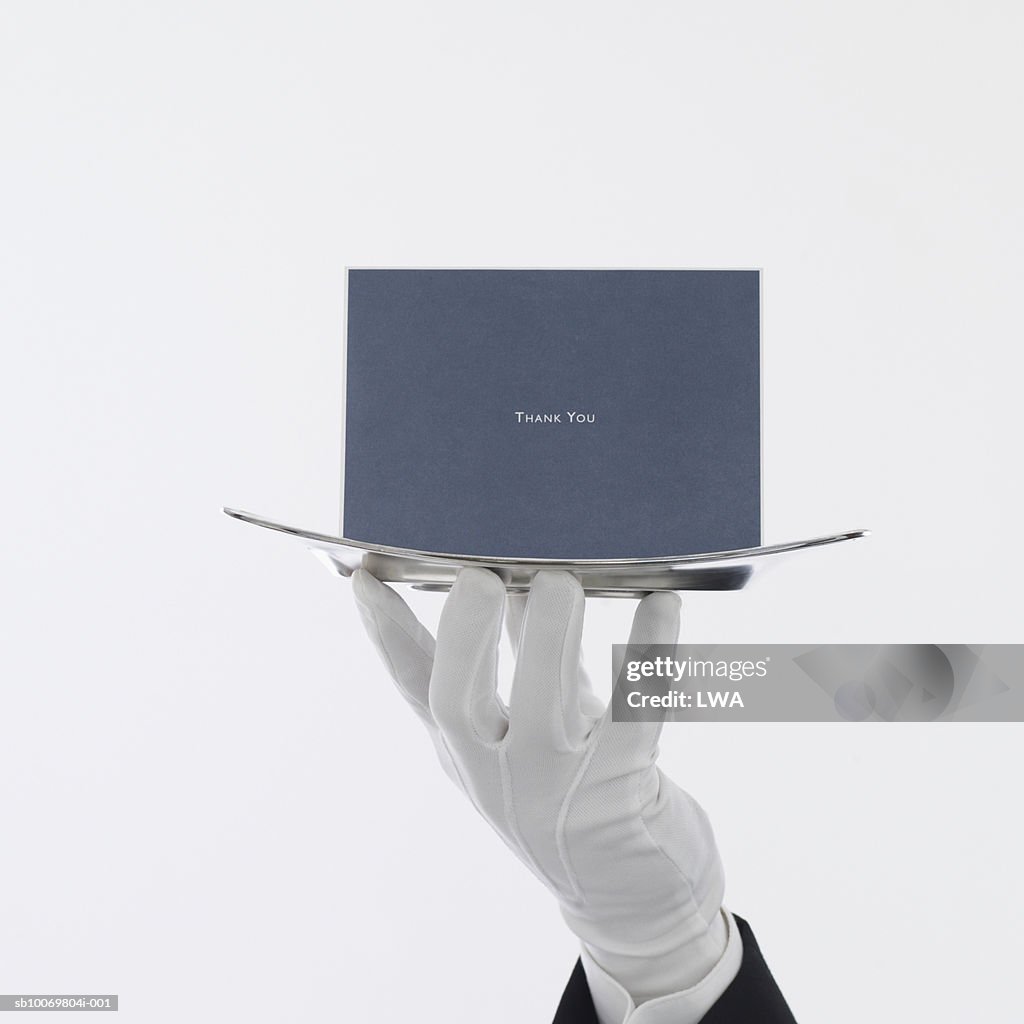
[[578, 798]]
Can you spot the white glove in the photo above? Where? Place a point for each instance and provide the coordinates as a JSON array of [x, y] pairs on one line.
[[577, 797]]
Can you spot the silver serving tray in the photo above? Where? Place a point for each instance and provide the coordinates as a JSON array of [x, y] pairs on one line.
[[621, 577]]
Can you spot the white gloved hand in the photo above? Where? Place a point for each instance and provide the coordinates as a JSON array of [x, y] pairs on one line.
[[578, 798]]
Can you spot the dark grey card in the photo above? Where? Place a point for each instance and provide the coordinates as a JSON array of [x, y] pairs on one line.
[[460, 386]]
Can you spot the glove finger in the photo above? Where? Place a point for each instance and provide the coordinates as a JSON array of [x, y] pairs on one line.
[[655, 621], [515, 611], [403, 643], [463, 687], [546, 684]]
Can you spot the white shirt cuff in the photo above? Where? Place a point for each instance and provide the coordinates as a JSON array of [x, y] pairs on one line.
[[614, 1005]]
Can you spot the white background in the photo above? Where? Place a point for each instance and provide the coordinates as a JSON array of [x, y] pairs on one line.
[[211, 801]]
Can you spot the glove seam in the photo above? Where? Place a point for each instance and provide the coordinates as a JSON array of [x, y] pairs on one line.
[[377, 613], [377, 610], [466, 703], [561, 838], [512, 819], [642, 815], [561, 842], [577, 597], [491, 744]]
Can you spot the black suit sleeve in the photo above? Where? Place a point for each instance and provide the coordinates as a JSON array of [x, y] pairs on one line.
[[752, 998]]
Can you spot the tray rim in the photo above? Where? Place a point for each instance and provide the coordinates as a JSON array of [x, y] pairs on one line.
[[443, 557]]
